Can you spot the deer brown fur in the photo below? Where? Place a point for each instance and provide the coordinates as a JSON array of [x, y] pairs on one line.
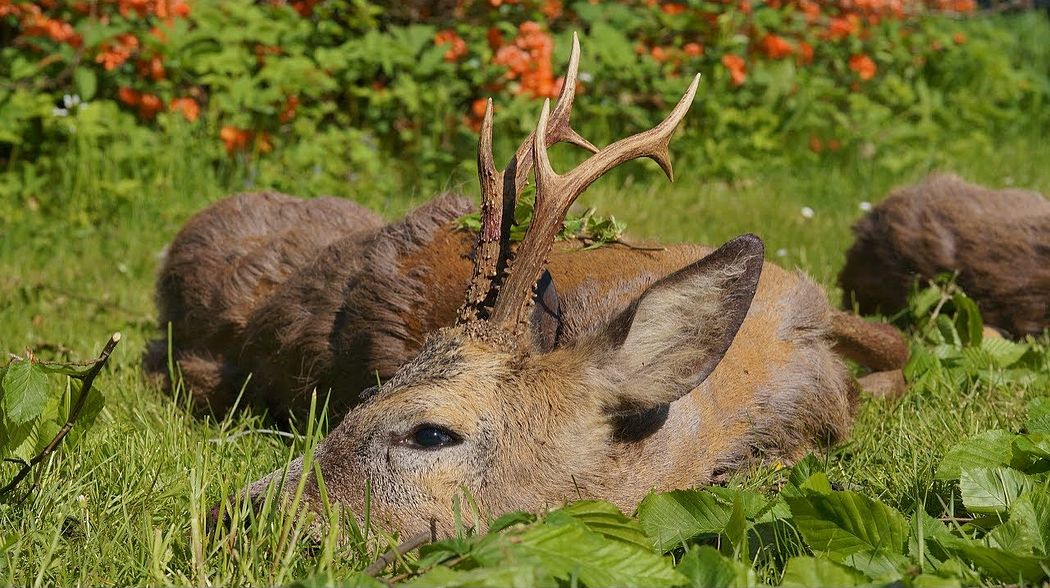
[[564, 373], [997, 241]]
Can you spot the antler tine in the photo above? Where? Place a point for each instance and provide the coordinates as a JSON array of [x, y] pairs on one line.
[[560, 129], [487, 253], [499, 189], [555, 194]]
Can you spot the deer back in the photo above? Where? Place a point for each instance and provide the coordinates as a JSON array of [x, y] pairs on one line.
[[997, 241]]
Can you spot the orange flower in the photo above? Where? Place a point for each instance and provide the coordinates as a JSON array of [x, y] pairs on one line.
[[291, 104], [113, 55], [672, 8], [815, 144], [528, 59], [234, 139], [188, 107], [805, 52], [693, 49], [658, 54], [840, 28], [737, 68], [150, 105], [834, 144], [776, 47], [152, 68], [551, 8], [458, 45], [959, 38], [495, 38], [128, 96], [863, 66]]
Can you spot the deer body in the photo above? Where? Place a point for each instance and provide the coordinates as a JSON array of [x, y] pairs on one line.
[[562, 374], [998, 241], [358, 300]]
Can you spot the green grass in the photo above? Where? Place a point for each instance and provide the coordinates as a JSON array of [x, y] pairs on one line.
[[126, 505]]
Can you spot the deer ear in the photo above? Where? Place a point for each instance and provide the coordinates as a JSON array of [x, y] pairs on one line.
[[546, 315], [675, 334]]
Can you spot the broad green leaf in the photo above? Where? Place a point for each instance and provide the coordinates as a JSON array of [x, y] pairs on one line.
[[817, 572], [988, 449], [967, 319], [844, 523], [607, 520], [510, 576], [1005, 566], [1004, 352], [705, 567], [991, 490], [675, 517], [25, 391], [737, 528], [86, 83], [565, 548], [510, 519], [1034, 446], [878, 564], [1028, 529], [1038, 420]]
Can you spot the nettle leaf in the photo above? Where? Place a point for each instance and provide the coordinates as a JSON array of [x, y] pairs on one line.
[[991, 490], [819, 572], [1034, 447], [1038, 420], [1028, 530], [675, 517], [605, 519], [1004, 352], [988, 449], [521, 576], [25, 391], [705, 567], [565, 548], [1005, 566], [842, 524]]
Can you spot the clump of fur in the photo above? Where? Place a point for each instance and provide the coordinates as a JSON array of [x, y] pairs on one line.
[[998, 241]]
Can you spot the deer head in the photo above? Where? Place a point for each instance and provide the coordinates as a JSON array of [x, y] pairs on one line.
[[495, 405]]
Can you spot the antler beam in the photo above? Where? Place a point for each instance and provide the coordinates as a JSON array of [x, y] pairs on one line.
[[555, 194], [500, 188]]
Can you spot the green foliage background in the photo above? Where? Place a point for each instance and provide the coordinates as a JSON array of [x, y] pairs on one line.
[[946, 486]]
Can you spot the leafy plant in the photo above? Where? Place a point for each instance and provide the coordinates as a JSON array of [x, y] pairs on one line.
[[35, 418]]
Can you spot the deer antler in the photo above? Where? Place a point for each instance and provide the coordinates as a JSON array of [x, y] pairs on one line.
[[499, 191], [555, 194]]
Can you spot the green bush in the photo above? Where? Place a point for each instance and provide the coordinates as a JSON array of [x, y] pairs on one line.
[[335, 96]]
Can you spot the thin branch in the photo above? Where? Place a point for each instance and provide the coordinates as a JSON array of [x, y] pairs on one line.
[[86, 381], [414, 542]]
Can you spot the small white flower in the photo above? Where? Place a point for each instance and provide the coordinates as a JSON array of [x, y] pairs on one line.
[[586, 76], [1008, 180], [70, 100], [807, 212], [865, 206], [82, 501], [59, 112], [782, 252]]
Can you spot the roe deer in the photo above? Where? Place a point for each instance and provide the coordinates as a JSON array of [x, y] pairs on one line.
[[998, 241], [563, 373]]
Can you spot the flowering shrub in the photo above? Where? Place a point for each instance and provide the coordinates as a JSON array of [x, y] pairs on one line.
[[320, 95]]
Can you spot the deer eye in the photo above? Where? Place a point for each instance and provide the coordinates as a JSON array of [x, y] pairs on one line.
[[432, 437]]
